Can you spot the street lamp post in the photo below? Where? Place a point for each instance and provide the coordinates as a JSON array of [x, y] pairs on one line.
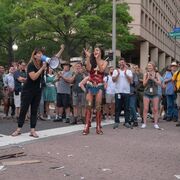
[[14, 48], [114, 34]]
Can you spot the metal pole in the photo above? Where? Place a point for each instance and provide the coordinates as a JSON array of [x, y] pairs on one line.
[[175, 37], [175, 49], [114, 34]]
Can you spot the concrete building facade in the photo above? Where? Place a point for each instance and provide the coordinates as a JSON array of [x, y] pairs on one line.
[[152, 21]]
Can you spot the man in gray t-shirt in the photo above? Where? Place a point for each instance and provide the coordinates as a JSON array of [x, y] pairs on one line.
[[63, 86], [64, 93]]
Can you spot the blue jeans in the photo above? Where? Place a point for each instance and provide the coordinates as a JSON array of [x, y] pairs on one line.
[[122, 101], [172, 111], [133, 106]]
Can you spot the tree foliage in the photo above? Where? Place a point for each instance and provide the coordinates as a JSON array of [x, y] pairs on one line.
[[72, 22]]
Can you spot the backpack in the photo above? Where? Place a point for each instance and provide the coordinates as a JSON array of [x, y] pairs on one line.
[[176, 90]]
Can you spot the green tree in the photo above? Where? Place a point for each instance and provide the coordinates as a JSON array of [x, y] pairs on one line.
[[10, 19], [76, 23], [52, 22]]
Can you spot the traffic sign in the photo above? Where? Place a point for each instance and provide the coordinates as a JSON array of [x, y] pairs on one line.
[[176, 29], [174, 34]]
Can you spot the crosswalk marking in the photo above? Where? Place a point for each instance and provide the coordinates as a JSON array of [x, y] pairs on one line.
[[9, 140], [177, 176]]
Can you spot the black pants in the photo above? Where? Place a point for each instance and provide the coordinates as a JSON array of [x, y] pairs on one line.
[[122, 100], [29, 98]]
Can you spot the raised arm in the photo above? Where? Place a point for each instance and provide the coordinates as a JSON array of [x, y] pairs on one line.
[[102, 65], [60, 51], [88, 64]]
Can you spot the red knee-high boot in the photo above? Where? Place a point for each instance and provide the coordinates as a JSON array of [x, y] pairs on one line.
[[98, 122], [88, 121]]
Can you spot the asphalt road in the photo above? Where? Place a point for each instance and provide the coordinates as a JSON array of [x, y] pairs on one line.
[[120, 154]]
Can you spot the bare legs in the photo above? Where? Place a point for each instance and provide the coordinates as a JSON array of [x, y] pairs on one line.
[[98, 101], [89, 99], [98, 112], [155, 102]]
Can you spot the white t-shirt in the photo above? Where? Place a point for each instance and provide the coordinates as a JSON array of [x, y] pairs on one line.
[[110, 85], [122, 84]]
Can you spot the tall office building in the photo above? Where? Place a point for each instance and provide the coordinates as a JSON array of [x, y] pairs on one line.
[[152, 21]]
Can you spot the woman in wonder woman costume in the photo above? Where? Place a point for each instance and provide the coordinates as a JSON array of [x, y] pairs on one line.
[[96, 66]]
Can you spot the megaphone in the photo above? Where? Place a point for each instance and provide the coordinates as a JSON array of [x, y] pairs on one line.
[[53, 62]]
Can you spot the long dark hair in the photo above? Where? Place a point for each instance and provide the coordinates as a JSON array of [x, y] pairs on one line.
[[36, 50], [93, 59]]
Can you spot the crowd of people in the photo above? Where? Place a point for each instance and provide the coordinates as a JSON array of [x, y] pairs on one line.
[[80, 91]]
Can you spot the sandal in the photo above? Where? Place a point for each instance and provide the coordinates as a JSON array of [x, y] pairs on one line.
[[16, 133], [33, 134]]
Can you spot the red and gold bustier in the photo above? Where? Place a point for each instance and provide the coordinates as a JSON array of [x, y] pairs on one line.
[[96, 77]]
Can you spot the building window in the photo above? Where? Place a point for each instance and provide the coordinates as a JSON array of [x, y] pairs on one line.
[[153, 9], [142, 18], [146, 21], [150, 6], [159, 33], [156, 30], [150, 25]]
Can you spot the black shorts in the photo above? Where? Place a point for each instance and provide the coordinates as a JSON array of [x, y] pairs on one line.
[[63, 100]]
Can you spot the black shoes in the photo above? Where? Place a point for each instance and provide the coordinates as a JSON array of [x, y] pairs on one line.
[[116, 125], [135, 124], [168, 119], [67, 120], [172, 119], [127, 125], [175, 119], [74, 121], [58, 119]]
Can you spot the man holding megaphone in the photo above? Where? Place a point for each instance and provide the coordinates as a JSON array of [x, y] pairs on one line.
[[31, 93]]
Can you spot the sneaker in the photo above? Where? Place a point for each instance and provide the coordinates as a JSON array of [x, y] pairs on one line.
[[178, 124], [57, 119], [156, 126], [135, 124], [49, 117], [116, 125], [168, 119], [127, 125], [74, 121], [143, 126], [175, 119], [149, 116], [67, 120], [138, 115]]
